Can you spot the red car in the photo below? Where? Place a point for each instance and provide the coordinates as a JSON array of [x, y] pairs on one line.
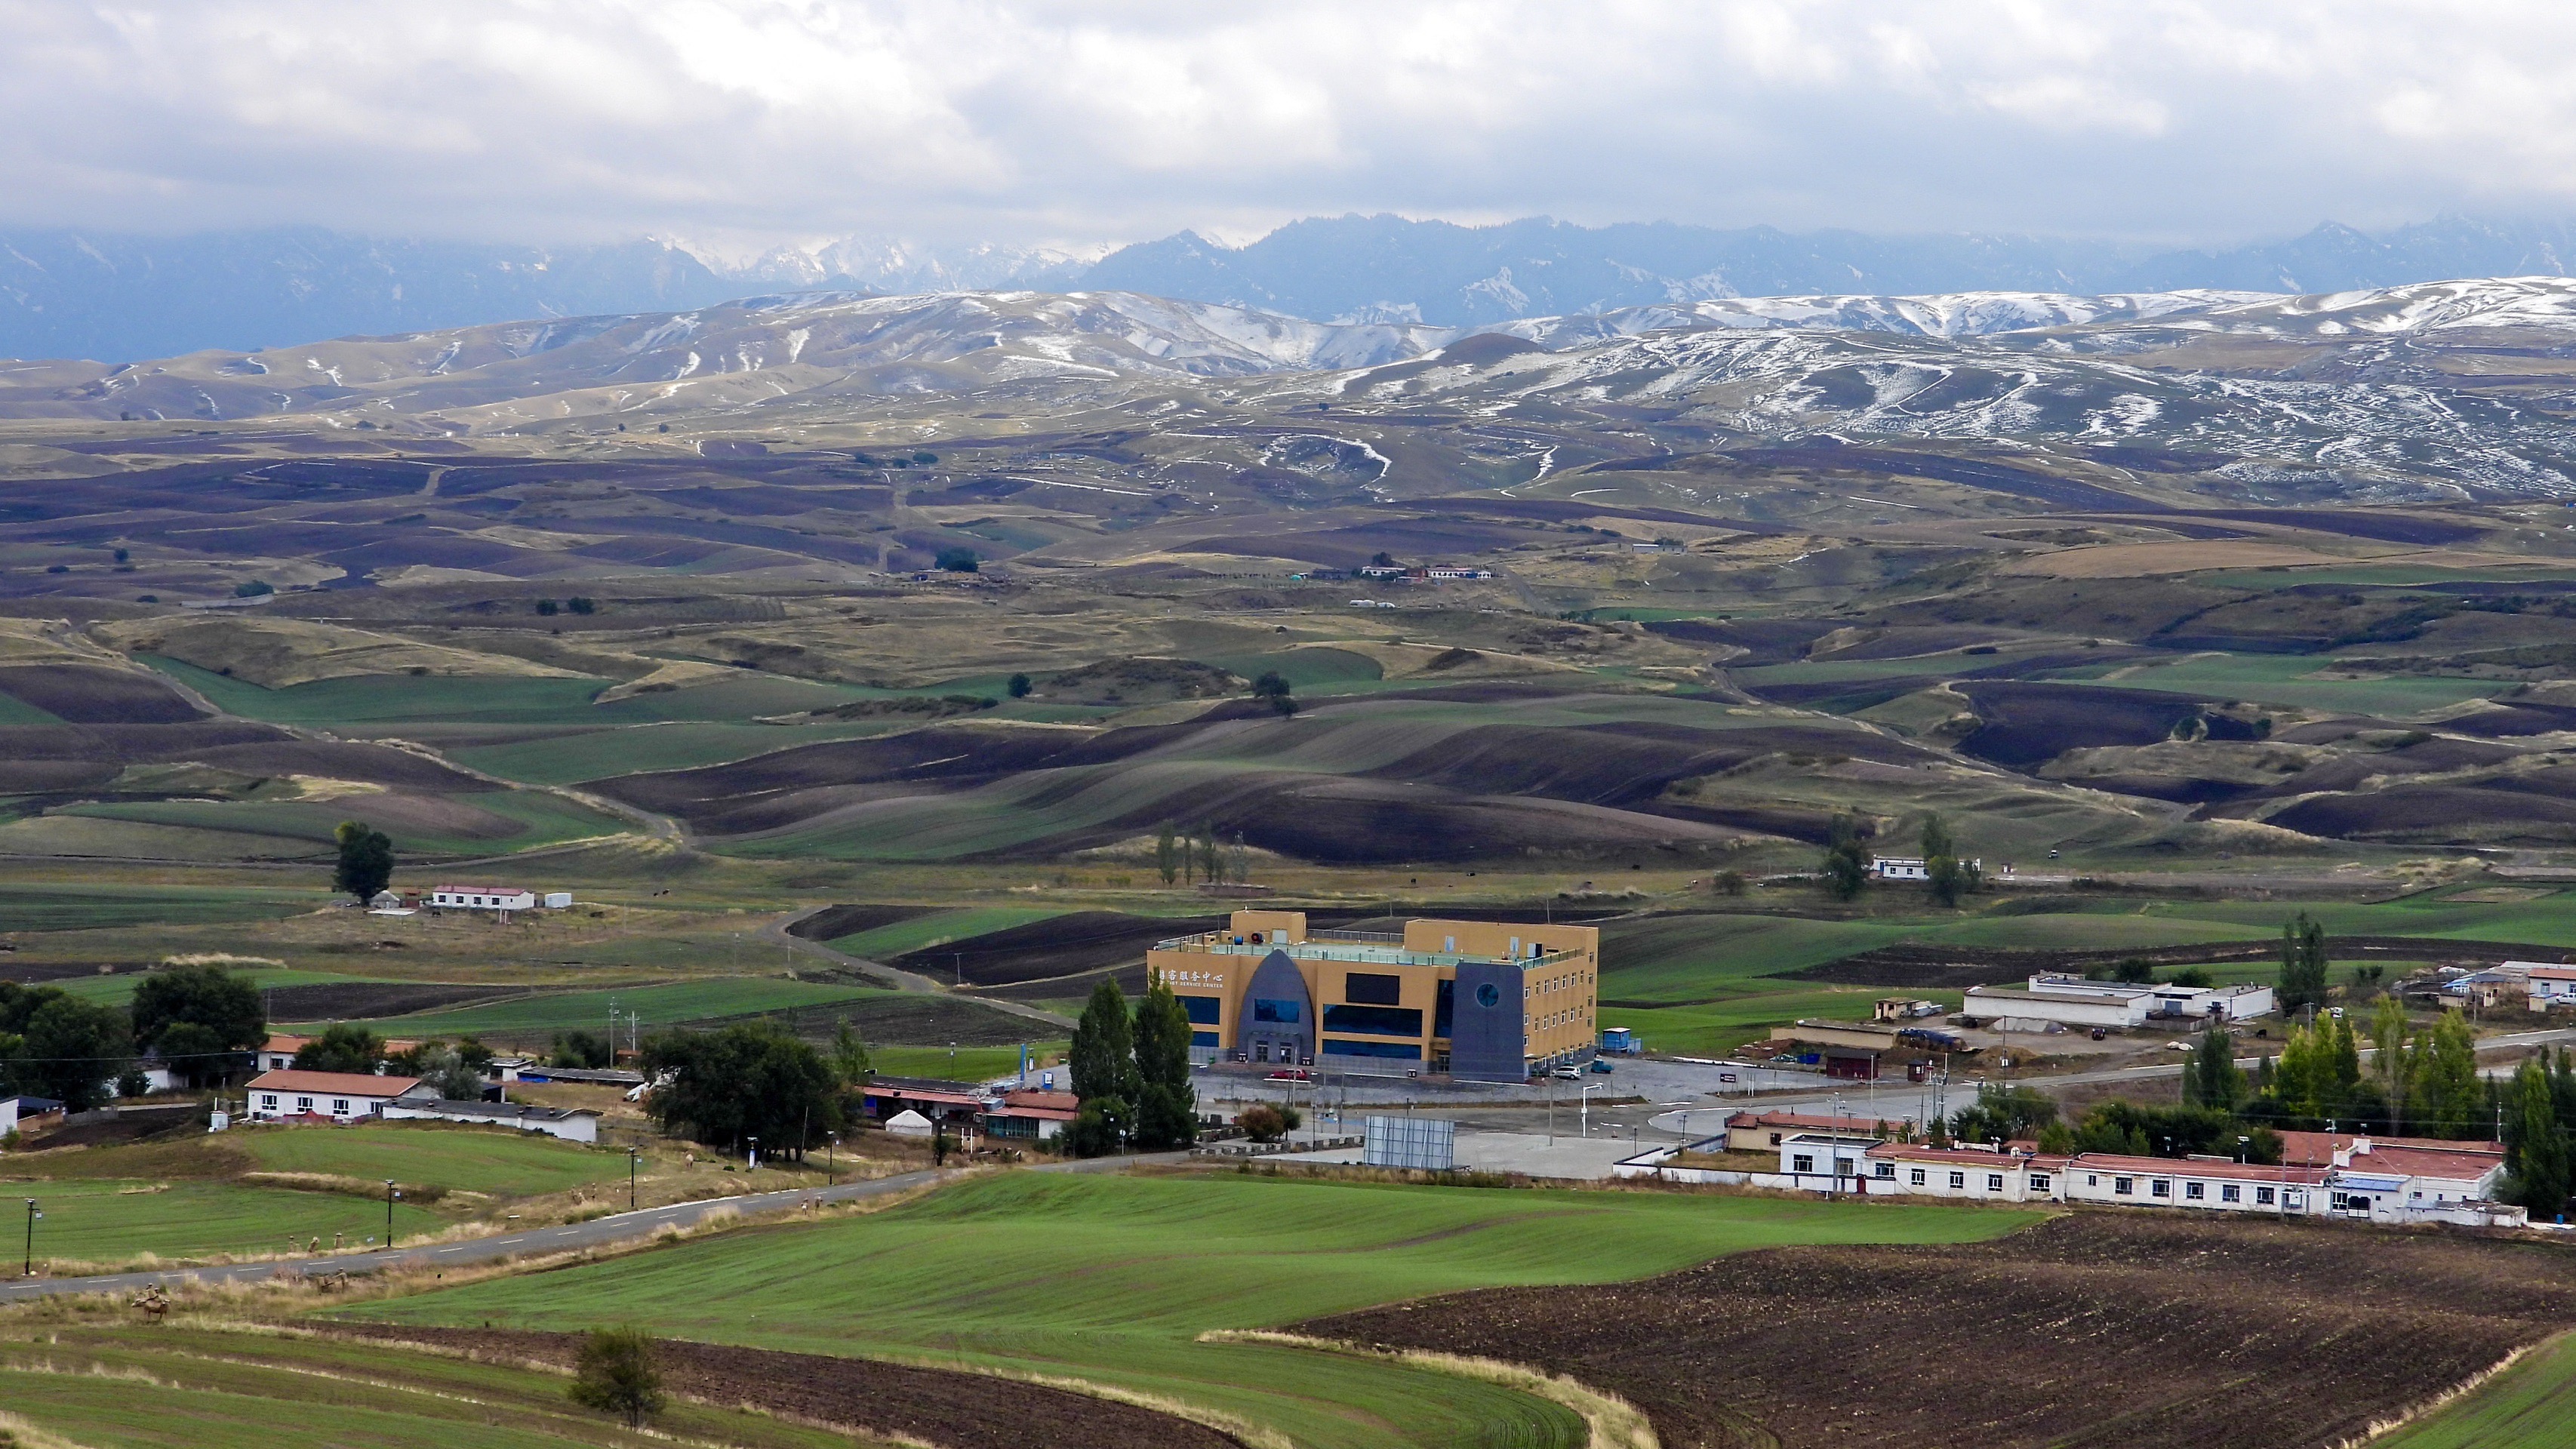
[[1292, 1076]]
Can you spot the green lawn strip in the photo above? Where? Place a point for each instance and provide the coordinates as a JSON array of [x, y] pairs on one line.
[[16, 711], [47, 906], [112, 1220], [491, 1160], [931, 930], [539, 818], [118, 989], [2529, 1406], [569, 759], [1713, 1028], [1114, 1278], [708, 999], [2284, 679]]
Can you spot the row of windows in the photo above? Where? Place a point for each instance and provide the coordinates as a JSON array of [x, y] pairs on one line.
[[2191, 1191], [1403, 1051], [339, 1105], [1915, 1177], [1374, 1020]]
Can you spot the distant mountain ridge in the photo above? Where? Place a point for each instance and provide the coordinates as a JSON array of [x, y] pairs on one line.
[[124, 298]]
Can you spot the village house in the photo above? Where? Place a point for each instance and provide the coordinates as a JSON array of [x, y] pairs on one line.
[[574, 1124], [482, 898], [329, 1096], [2547, 986], [1764, 1131]]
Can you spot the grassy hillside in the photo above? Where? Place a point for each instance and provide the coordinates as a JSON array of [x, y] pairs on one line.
[[2528, 1406], [658, 1006], [1114, 1279], [460, 1159], [109, 1221]]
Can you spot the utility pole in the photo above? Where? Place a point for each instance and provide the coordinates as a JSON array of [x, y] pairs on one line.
[[29, 1269], [391, 1192], [630, 1179]]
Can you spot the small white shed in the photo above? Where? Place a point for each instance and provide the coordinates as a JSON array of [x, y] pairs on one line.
[[908, 1123]]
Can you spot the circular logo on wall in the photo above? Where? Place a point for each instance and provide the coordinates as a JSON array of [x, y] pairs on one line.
[[1489, 995]]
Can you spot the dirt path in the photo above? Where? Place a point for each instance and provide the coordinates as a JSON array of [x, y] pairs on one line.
[[782, 930]]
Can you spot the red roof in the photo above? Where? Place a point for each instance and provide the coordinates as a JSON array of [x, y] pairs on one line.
[[1047, 1101], [482, 890], [1968, 1156], [2314, 1148], [918, 1094], [345, 1084]]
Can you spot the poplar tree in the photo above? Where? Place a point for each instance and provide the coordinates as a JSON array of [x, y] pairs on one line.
[[1167, 855], [2535, 1145], [1166, 1103], [2303, 965]]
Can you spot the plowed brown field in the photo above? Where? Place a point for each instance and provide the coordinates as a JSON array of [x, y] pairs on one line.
[[2096, 1329], [939, 1406]]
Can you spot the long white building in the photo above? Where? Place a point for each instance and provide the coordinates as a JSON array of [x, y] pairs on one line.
[[2075, 1002]]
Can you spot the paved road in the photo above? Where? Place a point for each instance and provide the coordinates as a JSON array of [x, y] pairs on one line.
[[780, 930], [535, 1242]]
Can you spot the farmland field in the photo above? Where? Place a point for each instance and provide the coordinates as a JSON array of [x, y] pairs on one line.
[[1114, 1279], [193, 1388], [2350, 1328], [658, 1006], [48, 906], [892, 940], [111, 1220], [2528, 1406], [460, 1159]]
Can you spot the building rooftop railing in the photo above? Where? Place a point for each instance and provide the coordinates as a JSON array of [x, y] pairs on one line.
[[1365, 938], [1371, 953]]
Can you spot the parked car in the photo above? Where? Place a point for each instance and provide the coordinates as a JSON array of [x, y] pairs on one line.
[[1570, 1074], [1298, 1075], [1602, 1065]]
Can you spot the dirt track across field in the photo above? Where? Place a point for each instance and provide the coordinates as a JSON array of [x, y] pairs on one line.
[[951, 1409], [2097, 1329]]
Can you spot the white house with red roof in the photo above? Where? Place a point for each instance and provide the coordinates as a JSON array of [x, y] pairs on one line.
[[2549, 985], [1764, 1131], [1913, 1170], [290, 1095], [482, 898]]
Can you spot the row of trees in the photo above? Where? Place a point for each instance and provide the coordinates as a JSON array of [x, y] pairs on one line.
[[200, 1020], [1200, 855], [456, 1069], [1131, 1068]]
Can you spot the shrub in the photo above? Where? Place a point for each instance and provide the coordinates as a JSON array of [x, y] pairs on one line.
[[256, 588], [1262, 1122], [958, 560], [615, 1375]]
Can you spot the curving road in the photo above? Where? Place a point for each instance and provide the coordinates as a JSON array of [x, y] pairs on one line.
[[535, 1242], [782, 930]]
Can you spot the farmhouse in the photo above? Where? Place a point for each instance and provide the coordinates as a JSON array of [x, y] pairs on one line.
[[1030, 1115], [277, 1054], [332, 1096], [1908, 1169], [1486, 1001], [482, 898], [1824, 1161], [1764, 1131], [577, 1124], [1899, 867], [929, 1098], [2548, 985]]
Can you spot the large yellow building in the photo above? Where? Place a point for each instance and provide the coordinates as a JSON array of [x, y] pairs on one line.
[[1482, 1000]]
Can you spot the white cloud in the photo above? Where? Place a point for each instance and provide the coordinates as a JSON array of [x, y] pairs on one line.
[[1048, 119]]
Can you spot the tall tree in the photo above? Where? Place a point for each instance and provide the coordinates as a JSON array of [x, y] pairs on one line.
[[366, 862], [849, 1058], [1166, 1105], [1103, 1066], [1207, 852], [1846, 864], [2303, 966], [1167, 855], [2211, 1078], [70, 1050], [1945, 874], [2388, 1058], [2535, 1143], [2444, 1089], [200, 1019], [744, 1081]]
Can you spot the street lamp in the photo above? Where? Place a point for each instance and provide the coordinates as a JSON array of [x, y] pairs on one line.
[[29, 1270], [1586, 1108], [832, 1156], [391, 1192], [754, 1162], [2241, 1142], [631, 1156]]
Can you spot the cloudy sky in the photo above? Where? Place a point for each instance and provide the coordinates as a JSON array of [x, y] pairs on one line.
[[1025, 121]]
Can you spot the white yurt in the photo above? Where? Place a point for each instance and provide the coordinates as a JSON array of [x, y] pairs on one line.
[[908, 1123]]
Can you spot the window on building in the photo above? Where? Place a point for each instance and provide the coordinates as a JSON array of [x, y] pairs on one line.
[[1400, 1050], [1801, 1162], [2263, 1195], [1994, 1182], [1203, 1010], [2194, 1190], [1372, 988], [1285, 1013], [340, 1106], [2160, 1188], [2092, 1180], [1887, 1170], [304, 1104], [1914, 1177], [1203, 1039], [2230, 1192], [2039, 1182], [2123, 1186], [1374, 1020], [268, 1102], [1958, 1179]]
